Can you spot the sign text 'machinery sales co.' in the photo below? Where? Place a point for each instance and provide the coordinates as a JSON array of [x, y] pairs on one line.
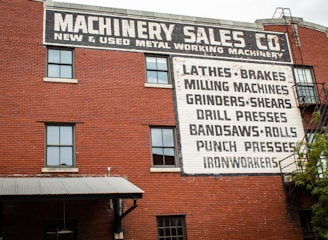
[[113, 32]]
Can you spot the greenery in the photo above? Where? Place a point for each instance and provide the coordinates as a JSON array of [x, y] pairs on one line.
[[313, 176]]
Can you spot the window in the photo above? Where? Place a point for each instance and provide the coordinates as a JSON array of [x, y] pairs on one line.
[[171, 227], [60, 63], [60, 145], [305, 85], [163, 146], [305, 218], [157, 70]]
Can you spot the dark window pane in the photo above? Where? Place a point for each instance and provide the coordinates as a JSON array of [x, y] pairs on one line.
[[160, 222], [158, 159], [167, 222], [179, 222], [169, 160], [161, 232]]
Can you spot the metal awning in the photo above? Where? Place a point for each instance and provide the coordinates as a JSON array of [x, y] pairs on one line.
[[53, 188]]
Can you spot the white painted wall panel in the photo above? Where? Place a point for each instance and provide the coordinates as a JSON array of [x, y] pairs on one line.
[[235, 117]]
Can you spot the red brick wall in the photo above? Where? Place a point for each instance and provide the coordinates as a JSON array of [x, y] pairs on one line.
[[224, 208], [113, 111], [313, 50]]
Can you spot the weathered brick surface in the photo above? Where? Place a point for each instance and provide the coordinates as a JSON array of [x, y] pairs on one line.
[[113, 111]]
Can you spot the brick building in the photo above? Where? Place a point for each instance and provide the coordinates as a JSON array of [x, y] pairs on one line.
[[121, 124]]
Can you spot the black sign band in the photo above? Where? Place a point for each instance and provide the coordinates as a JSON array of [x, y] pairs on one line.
[[113, 32]]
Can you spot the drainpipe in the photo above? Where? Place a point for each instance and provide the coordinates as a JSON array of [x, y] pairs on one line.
[[1, 220], [119, 215], [118, 209]]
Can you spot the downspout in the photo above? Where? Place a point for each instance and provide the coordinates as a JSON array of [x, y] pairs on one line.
[[1, 220], [119, 215]]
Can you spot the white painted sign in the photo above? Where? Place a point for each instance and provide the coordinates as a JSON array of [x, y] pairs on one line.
[[235, 117]]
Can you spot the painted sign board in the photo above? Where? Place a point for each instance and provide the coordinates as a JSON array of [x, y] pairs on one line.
[[77, 29], [235, 117]]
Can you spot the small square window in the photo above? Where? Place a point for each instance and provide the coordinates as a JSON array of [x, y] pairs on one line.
[[163, 146], [157, 70], [60, 63], [171, 227], [60, 149]]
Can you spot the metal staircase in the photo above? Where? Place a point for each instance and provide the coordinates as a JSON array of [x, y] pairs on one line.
[[311, 98], [294, 164]]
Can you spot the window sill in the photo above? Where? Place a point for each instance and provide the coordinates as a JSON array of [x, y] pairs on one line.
[[58, 170], [158, 85], [165, 169], [60, 80]]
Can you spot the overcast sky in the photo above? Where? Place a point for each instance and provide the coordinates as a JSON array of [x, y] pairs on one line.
[[315, 11]]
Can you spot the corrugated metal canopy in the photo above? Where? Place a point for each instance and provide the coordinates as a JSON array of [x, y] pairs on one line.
[[48, 188]]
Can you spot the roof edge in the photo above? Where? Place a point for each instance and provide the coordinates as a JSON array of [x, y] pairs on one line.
[[55, 188], [50, 4], [288, 20]]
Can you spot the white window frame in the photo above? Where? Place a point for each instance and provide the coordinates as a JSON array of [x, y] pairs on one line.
[[306, 87]]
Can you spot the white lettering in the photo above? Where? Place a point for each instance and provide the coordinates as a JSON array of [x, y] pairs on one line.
[[188, 32], [91, 25], [142, 29], [105, 25], [128, 28], [63, 25], [273, 42], [80, 24], [168, 31], [259, 37]]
